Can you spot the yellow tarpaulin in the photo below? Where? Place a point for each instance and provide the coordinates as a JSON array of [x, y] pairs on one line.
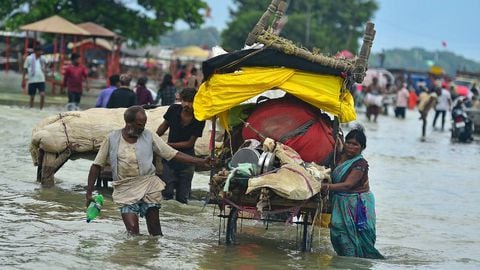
[[224, 91]]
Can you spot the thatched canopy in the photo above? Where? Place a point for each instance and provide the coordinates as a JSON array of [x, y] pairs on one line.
[[96, 30], [56, 25]]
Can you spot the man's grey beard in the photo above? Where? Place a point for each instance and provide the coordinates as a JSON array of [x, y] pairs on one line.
[[133, 133]]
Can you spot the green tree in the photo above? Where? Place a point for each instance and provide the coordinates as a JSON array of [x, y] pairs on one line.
[[328, 25], [141, 23]]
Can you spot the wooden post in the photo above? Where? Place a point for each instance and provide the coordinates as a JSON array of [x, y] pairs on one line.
[[117, 57], [25, 52], [7, 53], [62, 58], [362, 62], [74, 44], [54, 58], [262, 23]]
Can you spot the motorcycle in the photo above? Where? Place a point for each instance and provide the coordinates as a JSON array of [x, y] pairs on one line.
[[462, 125]]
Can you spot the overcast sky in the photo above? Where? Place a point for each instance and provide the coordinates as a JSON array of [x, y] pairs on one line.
[[409, 23]]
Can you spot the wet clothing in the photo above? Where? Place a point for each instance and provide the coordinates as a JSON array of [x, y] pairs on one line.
[[139, 208], [178, 176], [372, 110], [178, 182], [74, 77], [74, 97], [32, 88], [352, 228], [179, 133], [122, 98], [127, 155], [132, 166], [400, 112]]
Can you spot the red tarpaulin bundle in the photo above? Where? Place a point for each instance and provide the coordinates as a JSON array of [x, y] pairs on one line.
[[294, 123]]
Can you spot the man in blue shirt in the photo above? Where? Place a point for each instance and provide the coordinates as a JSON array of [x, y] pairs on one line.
[[105, 93]]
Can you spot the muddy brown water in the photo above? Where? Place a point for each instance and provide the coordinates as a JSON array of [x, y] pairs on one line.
[[428, 213]]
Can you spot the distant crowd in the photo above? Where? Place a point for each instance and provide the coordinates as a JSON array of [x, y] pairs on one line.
[[119, 93], [441, 97]]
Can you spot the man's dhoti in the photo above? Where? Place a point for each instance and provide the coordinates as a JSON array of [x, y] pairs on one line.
[[133, 189]]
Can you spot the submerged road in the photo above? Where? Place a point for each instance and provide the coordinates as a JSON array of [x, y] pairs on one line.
[[427, 196]]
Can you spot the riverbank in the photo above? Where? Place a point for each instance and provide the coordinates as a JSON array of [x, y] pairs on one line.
[[11, 93]]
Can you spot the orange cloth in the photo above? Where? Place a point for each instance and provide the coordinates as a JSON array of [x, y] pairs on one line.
[[412, 100]]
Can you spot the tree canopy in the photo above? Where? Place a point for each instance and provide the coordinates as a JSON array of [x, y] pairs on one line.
[[141, 23], [329, 26]]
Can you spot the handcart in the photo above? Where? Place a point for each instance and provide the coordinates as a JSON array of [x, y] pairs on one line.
[[316, 99]]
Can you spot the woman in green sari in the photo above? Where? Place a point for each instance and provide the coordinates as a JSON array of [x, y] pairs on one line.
[[352, 227]]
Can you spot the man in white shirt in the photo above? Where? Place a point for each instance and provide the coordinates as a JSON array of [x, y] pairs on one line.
[[136, 189], [35, 66], [444, 103]]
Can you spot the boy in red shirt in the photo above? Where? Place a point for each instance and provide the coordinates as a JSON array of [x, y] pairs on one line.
[[73, 79]]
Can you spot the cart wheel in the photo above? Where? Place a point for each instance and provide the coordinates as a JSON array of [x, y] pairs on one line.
[[231, 234]]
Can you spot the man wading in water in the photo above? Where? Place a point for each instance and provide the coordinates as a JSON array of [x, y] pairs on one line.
[[136, 188], [184, 131]]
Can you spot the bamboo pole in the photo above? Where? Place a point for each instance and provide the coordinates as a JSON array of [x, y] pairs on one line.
[[7, 53], [25, 52], [262, 23], [361, 63], [54, 58]]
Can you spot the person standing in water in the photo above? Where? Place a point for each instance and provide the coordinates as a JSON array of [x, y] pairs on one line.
[[75, 75], [184, 131], [353, 222], [35, 66]]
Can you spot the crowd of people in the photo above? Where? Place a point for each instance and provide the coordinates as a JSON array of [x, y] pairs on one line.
[[440, 98], [75, 80]]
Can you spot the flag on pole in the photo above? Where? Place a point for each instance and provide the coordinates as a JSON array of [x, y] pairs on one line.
[[208, 12]]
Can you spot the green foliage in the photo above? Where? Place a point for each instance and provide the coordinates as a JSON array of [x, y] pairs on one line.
[[330, 26], [208, 37], [142, 25], [419, 59]]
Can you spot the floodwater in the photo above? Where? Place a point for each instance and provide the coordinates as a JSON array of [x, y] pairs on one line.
[[428, 213]]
